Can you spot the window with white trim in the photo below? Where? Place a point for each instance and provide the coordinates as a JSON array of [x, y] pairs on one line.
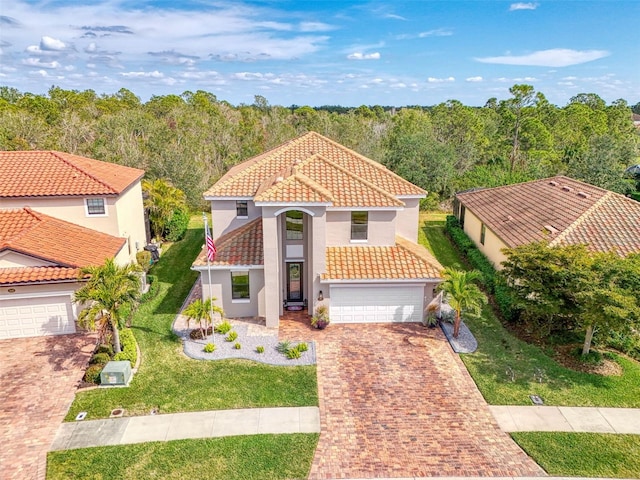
[[95, 206], [242, 209], [240, 285], [359, 225]]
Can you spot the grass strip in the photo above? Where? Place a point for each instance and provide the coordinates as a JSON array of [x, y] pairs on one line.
[[256, 457], [583, 454]]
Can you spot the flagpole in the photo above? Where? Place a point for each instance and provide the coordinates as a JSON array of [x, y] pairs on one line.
[[206, 233]]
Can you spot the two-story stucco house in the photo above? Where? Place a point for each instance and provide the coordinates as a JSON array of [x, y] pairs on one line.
[[59, 213], [312, 222]]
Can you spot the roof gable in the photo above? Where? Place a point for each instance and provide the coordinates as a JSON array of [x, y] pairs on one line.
[[312, 168], [55, 241], [559, 210], [50, 173]]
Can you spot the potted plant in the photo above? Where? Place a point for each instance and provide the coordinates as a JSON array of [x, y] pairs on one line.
[[320, 318]]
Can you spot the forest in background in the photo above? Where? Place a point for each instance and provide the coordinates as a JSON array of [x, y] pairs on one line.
[[194, 138]]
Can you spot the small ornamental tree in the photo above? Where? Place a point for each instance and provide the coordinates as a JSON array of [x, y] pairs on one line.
[[162, 200], [201, 311], [463, 294]]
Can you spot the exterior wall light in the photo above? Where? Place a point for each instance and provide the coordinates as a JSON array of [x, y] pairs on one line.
[[320, 296]]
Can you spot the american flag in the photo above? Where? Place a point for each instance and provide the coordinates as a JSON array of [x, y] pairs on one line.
[[211, 247]]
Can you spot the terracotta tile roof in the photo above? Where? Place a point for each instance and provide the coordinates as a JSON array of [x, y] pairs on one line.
[[403, 261], [10, 276], [321, 169], [50, 173], [576, 212], [242, 246], [65, 245]]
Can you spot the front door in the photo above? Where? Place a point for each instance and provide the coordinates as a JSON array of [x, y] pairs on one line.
[[294, 282]]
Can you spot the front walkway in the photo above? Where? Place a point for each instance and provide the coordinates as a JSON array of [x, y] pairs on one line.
[[395, 401]]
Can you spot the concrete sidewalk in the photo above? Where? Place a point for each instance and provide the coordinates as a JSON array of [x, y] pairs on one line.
[[567, 419], [176, 426]]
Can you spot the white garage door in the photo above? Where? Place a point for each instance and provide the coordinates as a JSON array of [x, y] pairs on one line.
[[376, 304], [33, 317]]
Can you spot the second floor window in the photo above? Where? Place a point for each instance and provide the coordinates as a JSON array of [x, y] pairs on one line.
[[241, 208], [359, 225], [95, 206], [294, 225]]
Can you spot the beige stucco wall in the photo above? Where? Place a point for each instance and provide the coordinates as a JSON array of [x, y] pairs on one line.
[[407, 219], [492, 243], [10, 259], [223, 215], [381, 232], [129, 213], [221, 290]]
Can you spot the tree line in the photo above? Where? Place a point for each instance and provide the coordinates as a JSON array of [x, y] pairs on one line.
[[193, 138]]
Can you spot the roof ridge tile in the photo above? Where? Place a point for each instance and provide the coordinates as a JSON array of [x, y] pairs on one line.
[[581, 219]]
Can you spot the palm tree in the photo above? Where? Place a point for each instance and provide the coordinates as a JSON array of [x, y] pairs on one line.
[[201, 312], [162, 200], [108, 288], [463, 295]]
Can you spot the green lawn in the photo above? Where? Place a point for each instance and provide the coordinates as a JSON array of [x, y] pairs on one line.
[[257, 457], [172, 382], [583, 454], [507, 370]]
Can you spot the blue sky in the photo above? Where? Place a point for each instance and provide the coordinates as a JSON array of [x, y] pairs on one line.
[[350, 53]]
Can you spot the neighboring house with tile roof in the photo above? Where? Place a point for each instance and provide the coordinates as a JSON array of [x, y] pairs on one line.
[[40, 261], [559, 209], [74, 211], [312, 222]]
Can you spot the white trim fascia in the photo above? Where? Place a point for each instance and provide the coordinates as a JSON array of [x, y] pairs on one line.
[[289, 209], [198, 268], [382, 282], [12, 296], [214, 198], [412, 196], [292, 205], [362, 209]]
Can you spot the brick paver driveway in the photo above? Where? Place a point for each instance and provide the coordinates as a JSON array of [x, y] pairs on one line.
[[38, 376], [395, 401]]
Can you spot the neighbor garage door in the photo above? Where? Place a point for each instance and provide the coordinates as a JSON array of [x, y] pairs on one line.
[[368, 304], [33, 317]]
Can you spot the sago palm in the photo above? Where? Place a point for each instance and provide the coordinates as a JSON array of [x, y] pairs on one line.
[[108, 288], [201, 312], [463, 294]]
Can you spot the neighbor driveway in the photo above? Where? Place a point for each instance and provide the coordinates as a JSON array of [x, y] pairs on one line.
[[395, 401], [39, 378]]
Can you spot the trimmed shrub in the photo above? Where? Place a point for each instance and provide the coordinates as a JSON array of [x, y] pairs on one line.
[[293, 353], [100, 359], [129, 351], [302, 347], [209, 348], [144, 260], [283, 346], [92, 374], [105, 348], [493, 282], [177, 226], [237, 346], [154, 287], [260, 349], [223, 328], [231, 337]]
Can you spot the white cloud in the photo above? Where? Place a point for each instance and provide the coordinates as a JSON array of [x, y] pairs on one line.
[[315, 27], [36, 62], [398, 85], [556, 57], [154, 74], [474, 79], [440, 80], [439, 32], [523, 6], [364, 56], [393, 16], [48, 43]]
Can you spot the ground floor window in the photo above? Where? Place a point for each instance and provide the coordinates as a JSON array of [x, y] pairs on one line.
[[240, 285]]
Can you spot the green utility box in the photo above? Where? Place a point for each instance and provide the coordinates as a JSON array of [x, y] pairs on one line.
[[116, 374]]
